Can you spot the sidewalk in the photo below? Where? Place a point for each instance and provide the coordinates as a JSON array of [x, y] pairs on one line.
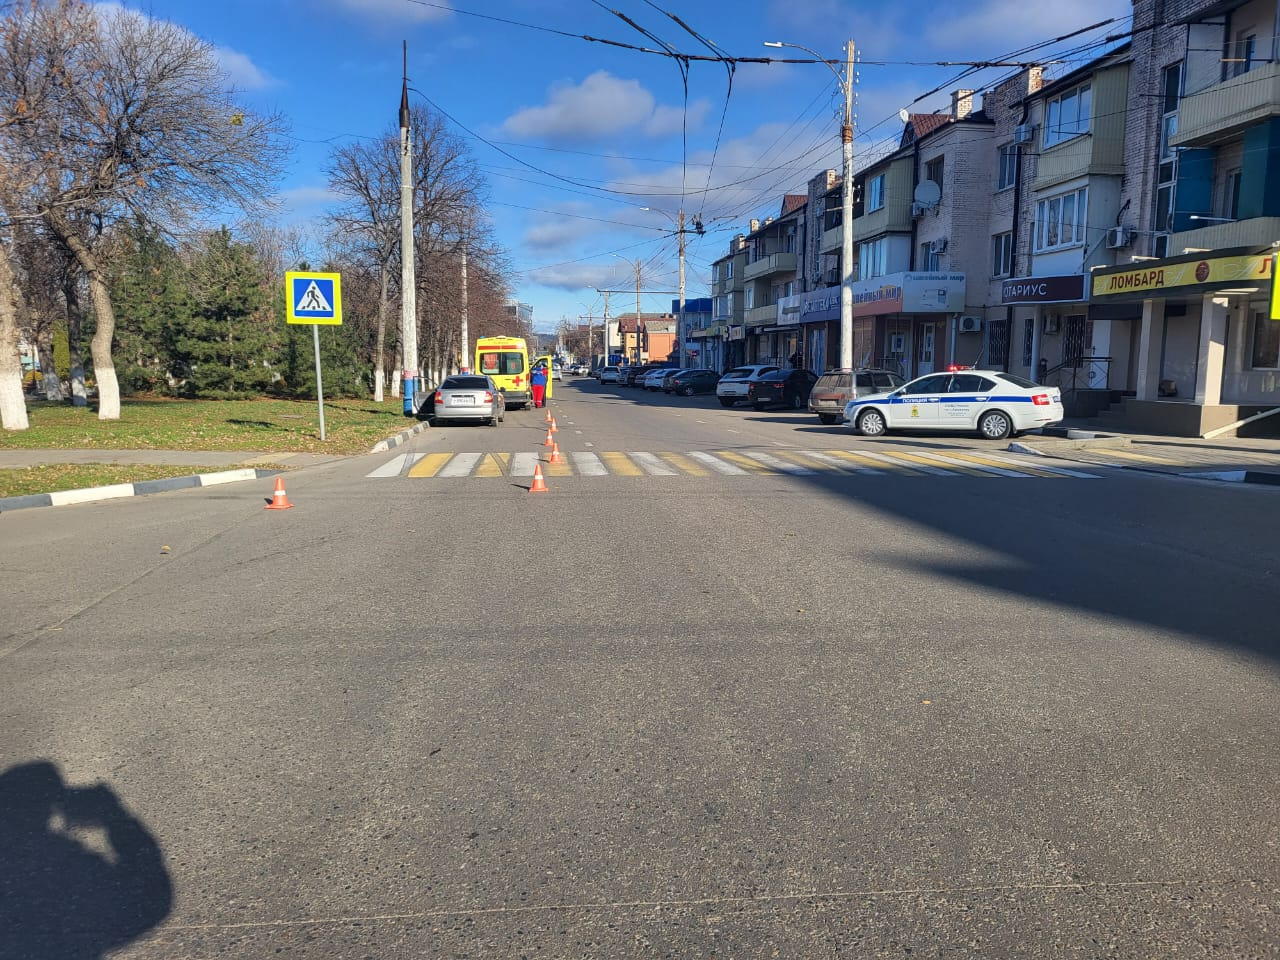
[[1233, 459]]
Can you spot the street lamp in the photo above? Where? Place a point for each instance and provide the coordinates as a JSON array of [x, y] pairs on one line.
[[846, 198]]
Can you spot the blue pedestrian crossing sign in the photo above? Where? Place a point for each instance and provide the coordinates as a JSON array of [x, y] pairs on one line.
[[313, 297]]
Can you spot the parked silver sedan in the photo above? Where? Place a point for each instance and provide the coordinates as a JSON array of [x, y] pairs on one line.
[[466, 396]]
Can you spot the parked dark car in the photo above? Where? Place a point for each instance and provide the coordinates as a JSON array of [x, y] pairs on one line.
[[688, 382], [787, 387], [835, 388], [633, 376]]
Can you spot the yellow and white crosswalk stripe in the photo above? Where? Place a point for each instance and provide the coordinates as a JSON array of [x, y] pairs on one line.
[[727, 463]]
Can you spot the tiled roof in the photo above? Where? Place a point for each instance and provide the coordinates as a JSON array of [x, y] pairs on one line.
[[793, 201]]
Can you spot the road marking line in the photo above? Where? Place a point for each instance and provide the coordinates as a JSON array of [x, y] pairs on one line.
[[620, 464], [429, 465], [898, 465], [461, 465], [780, 465], [391, 468], [522, 464], [963, 470], [836, 464], [973, 463], [1063, 471], [653, 465], [493, 465], [744, 462], [589, 465], [1140, 457], [561, 469], [685, 465], [719, 466]]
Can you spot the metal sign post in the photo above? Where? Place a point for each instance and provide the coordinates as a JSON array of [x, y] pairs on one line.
[[314, 298]]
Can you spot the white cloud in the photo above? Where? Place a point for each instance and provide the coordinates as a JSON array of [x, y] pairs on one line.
[[303, 198], [242, 71], [575, 277], [1008, 24], [397, 11], [600, 106]]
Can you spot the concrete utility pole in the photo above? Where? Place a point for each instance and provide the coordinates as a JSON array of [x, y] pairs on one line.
[[408, 301], [680, 315], [605, 324], [846, 195], [639, 265]]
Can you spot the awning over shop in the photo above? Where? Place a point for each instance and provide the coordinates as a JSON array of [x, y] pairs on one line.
[[1185, 276]]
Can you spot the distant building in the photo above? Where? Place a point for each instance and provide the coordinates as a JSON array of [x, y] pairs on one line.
[[521, 314]]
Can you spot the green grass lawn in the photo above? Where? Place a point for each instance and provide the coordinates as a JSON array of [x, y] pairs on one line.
[[267, 426], [284, 426]]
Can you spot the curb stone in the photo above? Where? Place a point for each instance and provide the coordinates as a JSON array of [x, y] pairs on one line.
[[403, 436], [141, 488]]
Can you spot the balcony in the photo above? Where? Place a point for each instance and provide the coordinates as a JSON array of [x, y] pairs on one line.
[[1224, 110], [767, 266], [1255, 232], [762, 316], [832, 240]]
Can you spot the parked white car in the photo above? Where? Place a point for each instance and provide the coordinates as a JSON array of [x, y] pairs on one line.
[[609, 374], [735, 385], [994, 403]]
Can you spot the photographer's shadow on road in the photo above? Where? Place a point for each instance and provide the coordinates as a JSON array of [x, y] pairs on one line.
[[79, 874]]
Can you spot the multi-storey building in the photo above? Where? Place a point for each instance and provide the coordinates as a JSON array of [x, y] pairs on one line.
[[769, 277], [1204, 127], [724, 341]]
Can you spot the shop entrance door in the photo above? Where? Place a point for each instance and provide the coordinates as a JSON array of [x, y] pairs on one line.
[[925, 363]]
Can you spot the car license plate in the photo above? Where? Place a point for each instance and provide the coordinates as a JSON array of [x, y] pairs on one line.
[[462, 401]]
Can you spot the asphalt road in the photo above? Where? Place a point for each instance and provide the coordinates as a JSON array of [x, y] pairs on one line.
[[795, 715]]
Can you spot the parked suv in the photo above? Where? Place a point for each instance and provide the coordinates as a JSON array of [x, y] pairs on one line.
[[735, 385], [835, 388]]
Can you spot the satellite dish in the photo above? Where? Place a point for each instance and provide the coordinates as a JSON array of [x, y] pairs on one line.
[[928, 193], [903, 115]]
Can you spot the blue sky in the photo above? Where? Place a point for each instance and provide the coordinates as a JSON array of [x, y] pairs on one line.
[[610, 121]]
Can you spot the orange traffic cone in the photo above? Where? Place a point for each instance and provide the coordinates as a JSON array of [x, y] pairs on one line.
[[553, 428], [548, 420], [279, 499], [548, 441], [539, 485], [555, 453]]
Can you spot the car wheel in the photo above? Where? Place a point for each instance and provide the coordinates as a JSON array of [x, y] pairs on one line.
[[687, 391], [871, 423], [827, 418], [796, 402], [493, 421], [726, 401], [995, 425]]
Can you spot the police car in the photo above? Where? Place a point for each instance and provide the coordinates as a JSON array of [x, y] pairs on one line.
[[993, 403]]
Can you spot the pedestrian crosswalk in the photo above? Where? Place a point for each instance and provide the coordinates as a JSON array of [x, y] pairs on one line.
[[725, 463]]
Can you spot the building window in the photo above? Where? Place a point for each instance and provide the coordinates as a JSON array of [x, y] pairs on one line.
[[1028, 338], [1002, 255], [1008, 166], [929, 257], [1060, 220], [728, 270], [873, 258], [1266, 342], [1231, 195], [875, 193], [1068, 115], [749, 297], [933, 171], [1167, 160], [1239, 56]]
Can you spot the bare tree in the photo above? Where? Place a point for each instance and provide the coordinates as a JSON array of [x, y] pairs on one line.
[[129, 116]]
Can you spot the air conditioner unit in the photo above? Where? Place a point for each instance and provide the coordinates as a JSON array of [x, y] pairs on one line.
[[970, 324], [938, 246], [1024, 132], [1119, 237]]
